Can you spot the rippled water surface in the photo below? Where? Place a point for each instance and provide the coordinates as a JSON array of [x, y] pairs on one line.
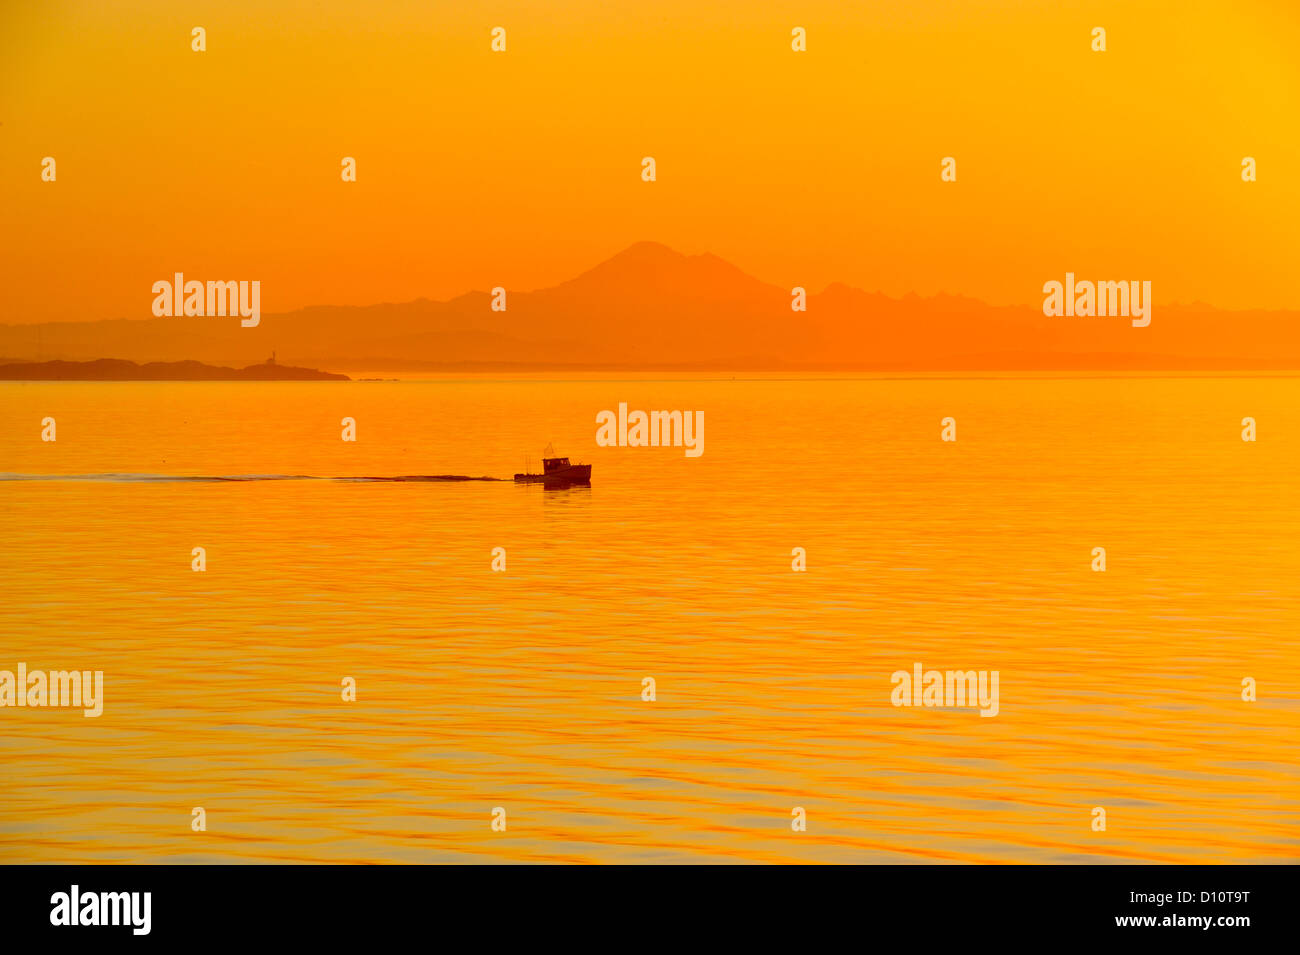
[[522, 689]]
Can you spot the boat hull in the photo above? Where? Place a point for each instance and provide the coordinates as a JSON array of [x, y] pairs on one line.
[[561, 477]]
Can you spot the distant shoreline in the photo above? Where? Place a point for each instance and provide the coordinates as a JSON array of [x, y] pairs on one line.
[[120, 370], [116, 369]]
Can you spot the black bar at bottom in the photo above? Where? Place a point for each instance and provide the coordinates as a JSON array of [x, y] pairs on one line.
[[950, 906]]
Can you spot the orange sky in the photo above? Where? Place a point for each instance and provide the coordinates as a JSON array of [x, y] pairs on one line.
[[521, 169]]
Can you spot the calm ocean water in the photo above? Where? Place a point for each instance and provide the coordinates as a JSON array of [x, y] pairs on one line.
[[522, 689]]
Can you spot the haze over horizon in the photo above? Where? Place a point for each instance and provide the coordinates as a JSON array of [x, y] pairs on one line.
[[141, 314], [650, 306]]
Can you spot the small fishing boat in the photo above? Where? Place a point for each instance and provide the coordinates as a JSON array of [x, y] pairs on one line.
[[556, 472]]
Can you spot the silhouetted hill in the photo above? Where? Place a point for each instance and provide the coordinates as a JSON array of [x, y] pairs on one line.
[[651, 307]]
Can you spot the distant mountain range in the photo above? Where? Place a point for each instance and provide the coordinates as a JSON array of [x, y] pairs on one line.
[[115, 369], [651, 307]]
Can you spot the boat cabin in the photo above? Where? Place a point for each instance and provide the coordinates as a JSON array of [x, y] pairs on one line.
[[554, 464]]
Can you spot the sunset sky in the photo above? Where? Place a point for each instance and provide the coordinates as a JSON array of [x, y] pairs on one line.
[[522, 169]]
